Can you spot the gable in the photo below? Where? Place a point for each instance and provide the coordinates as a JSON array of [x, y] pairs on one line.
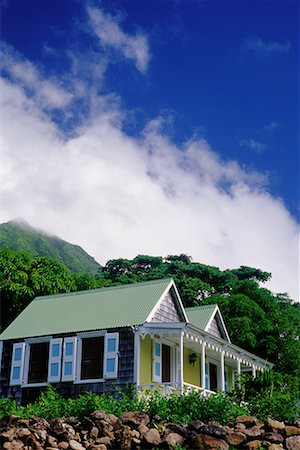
[[167, 311], [209, 319]]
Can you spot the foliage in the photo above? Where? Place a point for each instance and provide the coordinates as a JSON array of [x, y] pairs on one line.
[[270, 394], [257, 320], [23, 277], [21, 237]]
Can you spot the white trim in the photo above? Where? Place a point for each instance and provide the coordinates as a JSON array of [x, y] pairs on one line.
[[203, 375], [180, 381], [222, 371], [28, 343], [137, 357]]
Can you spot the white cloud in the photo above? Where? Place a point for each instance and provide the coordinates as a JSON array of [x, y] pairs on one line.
[[119, 196], [258, 46], [252, 144], [111, 35]]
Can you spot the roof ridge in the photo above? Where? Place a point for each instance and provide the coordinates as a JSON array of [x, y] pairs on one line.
[[201, 307], [107, 288]]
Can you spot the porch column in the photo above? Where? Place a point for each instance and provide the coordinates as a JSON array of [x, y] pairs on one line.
[[222, 368], [253, 371], [239, 371], [203, 366], [180, 381]]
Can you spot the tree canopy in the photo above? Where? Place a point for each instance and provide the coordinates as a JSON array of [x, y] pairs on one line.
[[257, 320]]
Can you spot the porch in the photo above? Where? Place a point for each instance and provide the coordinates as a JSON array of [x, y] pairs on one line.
[[182, 358]]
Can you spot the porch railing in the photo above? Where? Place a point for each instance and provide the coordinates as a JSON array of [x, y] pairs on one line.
[[168, 388]]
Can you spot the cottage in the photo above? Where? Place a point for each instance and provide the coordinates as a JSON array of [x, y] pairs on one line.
[[138, 333]]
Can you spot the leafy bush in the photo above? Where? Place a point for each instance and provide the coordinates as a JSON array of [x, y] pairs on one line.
[[270, 394], [271, 399]]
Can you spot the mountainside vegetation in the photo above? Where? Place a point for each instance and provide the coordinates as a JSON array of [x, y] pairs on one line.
[[21, 237], [257, 320]]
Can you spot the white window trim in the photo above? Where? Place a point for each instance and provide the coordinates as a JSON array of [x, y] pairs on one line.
[[28, 343], [81, 336]]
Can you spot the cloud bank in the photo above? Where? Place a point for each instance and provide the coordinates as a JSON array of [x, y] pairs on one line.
[[259, 46], [119, 196]]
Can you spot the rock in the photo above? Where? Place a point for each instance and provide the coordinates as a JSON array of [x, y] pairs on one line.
[[206, 442], [134, 418], [249, 421], [235, 438], [275, 424], [13, 445], [152, 437], [104, 440], [275, 438], [196, 424], [292, 443], [97, 447], [142, 429], [112, 419], [23, 432], [39, 422], [214, 423], [253, 445], [292, 431], [74, 445], [275, 447], [174, 439], [63, 445], [52, 441], [240, 427], [214, 431], [94, 432], [24, 422], [252, 432], [9, 434]]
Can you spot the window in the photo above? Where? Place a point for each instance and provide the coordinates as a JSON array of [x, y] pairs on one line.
[[211, 376], [163, 358], [92, 358], [38, 363], [97, 356]]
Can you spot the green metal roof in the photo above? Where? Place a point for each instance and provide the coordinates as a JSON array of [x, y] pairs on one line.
[[94, 309], [199, 316]]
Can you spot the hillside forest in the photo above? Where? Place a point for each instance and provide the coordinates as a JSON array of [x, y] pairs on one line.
[[257, 320]]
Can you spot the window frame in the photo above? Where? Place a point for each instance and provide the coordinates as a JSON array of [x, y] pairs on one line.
[[28, 343], [174, 361], [80, 337]]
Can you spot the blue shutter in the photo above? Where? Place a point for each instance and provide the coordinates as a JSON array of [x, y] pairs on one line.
[[69, 359], [111, 349], [17, 364], [54, 366], [156, 361]]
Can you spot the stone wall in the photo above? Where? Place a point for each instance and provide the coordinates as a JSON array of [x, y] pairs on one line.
[[101, 431]]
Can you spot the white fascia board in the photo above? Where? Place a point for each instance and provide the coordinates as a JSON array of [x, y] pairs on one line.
[[239, 351], [214, 313], [158, 303], [164, 325]]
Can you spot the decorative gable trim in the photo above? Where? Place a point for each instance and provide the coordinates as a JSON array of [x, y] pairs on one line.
[[217, 317], [178, 306]]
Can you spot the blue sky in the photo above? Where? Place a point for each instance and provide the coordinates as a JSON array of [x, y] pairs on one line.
[[198, 96]]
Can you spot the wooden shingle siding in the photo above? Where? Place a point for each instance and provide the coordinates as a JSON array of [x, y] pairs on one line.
[[214, 329], [70, 389], [167, 311]]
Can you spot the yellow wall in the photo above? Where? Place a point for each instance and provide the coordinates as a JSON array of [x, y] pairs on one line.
[[145, 360], [191, 373]]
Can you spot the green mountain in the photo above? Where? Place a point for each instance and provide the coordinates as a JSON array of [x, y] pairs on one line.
[[22, 237]]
